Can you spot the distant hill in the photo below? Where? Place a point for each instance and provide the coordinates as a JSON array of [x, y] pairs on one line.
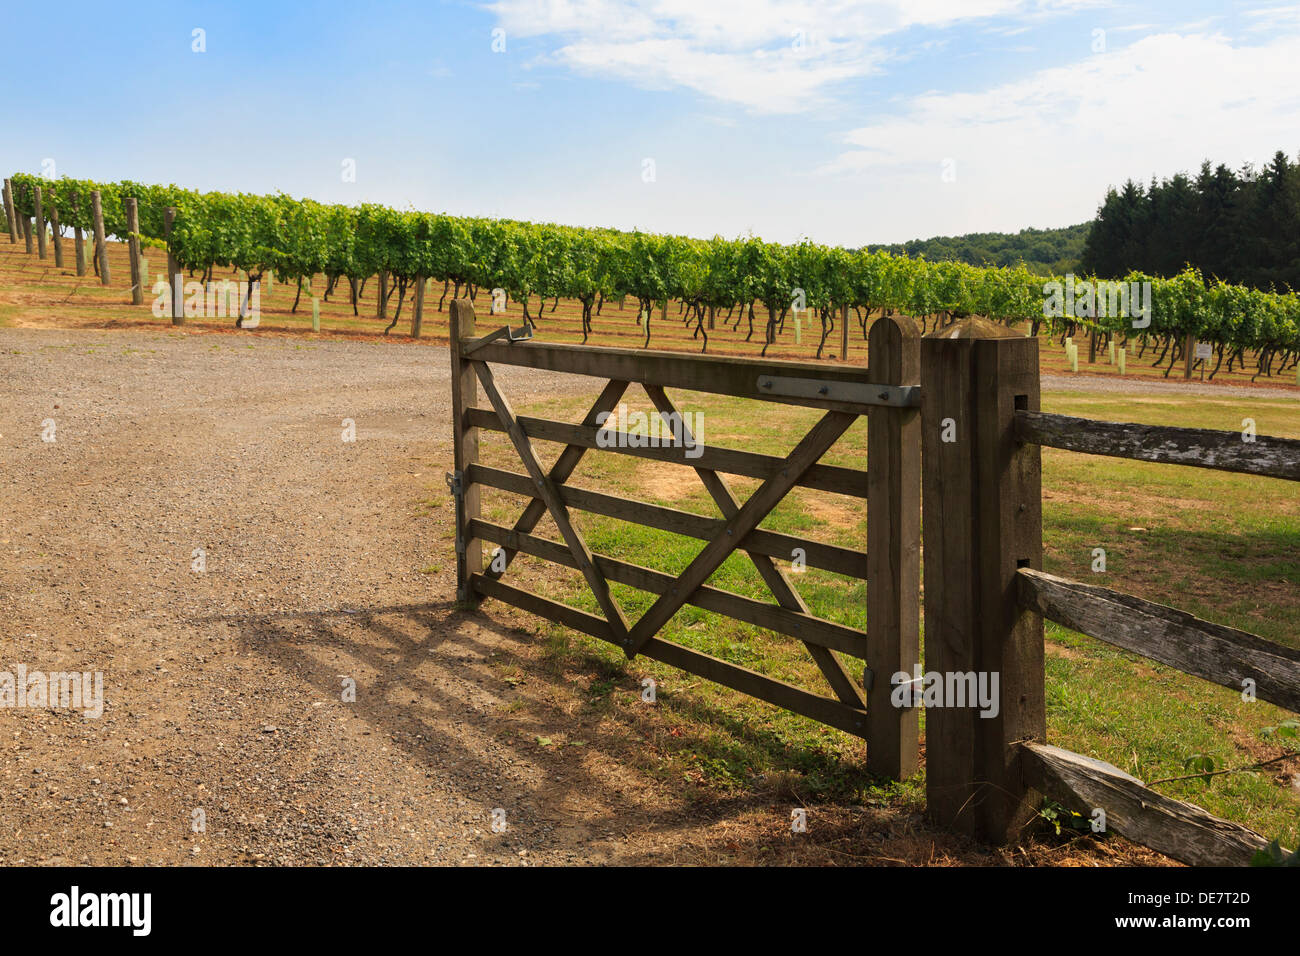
[[1043, 251]]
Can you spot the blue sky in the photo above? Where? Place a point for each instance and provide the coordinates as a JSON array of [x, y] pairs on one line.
[[844, 121]]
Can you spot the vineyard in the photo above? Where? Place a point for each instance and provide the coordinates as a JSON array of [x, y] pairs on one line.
[[809, 298]]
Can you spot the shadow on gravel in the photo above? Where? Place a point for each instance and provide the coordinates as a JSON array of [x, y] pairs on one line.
[[455, 692], [435, 691]]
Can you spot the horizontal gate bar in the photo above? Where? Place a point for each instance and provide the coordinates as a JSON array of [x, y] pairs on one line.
[[805, 627], [720, 375], [822, 709], [844, 481], [817, 554]]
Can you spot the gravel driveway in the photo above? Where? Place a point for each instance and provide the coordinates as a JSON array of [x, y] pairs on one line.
[[223, 689]]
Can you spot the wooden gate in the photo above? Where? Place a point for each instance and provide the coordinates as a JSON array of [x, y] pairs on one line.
[[888, 394]]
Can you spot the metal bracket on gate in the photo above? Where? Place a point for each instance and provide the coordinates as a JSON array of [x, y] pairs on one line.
[[456, 484], [858, 393], [522, 334]]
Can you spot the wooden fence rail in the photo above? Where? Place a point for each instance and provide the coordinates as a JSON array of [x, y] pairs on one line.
[[759, 613], [1198, 447], [987, 596], [817, 554], [1212, 652], [844, 481], [1181, 830], [847, 390]]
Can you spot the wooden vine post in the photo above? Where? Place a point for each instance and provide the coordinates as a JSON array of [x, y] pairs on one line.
[[11, 213], [101, 241], [982, 514], [79, 248], [175, 278], [133, 246], [417, 315], [40, 222], [56, 234], [844, 332]]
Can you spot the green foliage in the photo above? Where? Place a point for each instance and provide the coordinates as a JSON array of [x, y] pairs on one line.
[[297, 239], [1288, 731], [1059, 817], [1275, 855], [1201, 764], [1042, 252]]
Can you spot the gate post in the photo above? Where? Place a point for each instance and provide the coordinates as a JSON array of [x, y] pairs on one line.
[[464, 394], [982, 516], [893, 547]]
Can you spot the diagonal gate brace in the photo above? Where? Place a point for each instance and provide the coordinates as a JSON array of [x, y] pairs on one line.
[[768, 496], [559, 513], [564, 466], [782, 589]]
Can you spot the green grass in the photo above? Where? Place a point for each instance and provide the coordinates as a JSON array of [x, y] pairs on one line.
[[1221, 546]]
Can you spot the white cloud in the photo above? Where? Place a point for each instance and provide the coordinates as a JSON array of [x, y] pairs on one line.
[[1271, 18], [1047, 146], [1038, 150], [773, 56]]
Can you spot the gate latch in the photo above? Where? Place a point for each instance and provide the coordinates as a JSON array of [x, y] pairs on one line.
[[456, 484]]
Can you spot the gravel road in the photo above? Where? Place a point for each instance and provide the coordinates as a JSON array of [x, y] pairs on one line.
[[1145, 386], [223, 688]]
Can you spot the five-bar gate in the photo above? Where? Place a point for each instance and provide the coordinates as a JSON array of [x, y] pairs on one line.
[[887, 393]]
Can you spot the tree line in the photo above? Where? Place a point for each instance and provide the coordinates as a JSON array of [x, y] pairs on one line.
[[1045, 252], [1237, 226]]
